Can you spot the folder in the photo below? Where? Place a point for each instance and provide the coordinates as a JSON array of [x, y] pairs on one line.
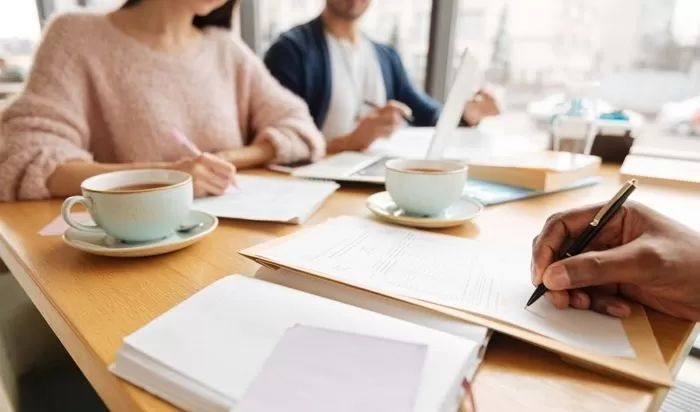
[[647, 368]]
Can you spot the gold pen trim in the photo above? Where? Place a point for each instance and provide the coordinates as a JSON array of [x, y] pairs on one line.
[[603, 210]]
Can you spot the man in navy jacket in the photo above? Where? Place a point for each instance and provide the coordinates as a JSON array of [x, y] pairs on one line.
[[357, 90]]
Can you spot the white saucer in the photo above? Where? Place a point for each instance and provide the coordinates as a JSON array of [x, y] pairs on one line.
[[105, 245], [382, 205]]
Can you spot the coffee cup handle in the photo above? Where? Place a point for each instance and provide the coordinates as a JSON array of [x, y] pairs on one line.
[[66, 213]]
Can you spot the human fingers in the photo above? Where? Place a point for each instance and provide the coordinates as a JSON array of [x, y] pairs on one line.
[[217, 165], [560, 299], [609, 304], [389, 118], [217, 182], [580, 299], [558, 229], [203, 188], [399, 108], [628, 263]]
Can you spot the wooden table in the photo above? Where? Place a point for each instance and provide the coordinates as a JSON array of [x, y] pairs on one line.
[[92, 303]]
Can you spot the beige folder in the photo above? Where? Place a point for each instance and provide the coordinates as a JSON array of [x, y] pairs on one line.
[[648, 368]]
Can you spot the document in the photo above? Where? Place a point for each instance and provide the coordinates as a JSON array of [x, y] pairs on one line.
[[315, 369], [456, 272], [58, 226], [269, 199], [466, 144]]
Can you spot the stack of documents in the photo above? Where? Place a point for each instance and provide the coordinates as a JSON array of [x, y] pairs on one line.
[[469, 280], [662, 171], [269, 199], [319, 370], [214, 349]]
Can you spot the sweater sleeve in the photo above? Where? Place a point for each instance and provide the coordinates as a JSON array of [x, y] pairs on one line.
[[275, 114], [47, 124]]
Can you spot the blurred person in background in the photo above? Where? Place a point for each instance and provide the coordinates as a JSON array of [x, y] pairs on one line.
[[357, 90], [109, 92]]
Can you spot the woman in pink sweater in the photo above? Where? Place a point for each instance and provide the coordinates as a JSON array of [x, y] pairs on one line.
[[106, 91]]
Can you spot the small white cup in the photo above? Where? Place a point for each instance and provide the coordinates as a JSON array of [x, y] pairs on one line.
[[425, 187], [134, 215]]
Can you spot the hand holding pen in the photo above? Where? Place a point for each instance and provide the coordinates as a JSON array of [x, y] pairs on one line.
[[549, 274], [211, 175]]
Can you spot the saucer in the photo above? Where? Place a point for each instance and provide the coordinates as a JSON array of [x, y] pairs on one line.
[[382, 205], [105, 245]]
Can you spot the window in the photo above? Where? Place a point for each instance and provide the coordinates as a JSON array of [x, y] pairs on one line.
[[405, 24], [643, 54], [19, 28]]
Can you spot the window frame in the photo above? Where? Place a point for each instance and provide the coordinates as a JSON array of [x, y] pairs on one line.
[[442, 29]]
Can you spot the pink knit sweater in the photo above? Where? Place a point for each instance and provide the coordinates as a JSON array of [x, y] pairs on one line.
[[96, 94]]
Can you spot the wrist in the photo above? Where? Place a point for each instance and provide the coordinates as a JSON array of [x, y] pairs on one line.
[[339, 144]]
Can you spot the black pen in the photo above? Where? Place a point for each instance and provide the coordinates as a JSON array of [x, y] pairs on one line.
[[597, 224], [407, 118]]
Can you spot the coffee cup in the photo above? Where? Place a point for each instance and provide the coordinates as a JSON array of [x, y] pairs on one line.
[[425, 187], [134, 205]]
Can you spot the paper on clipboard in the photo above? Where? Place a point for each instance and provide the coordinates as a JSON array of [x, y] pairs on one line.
[[341, 260]]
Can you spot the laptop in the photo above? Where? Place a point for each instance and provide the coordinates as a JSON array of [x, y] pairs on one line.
[[369, 168]]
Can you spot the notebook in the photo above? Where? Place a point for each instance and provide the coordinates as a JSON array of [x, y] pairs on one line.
[[546, 171], [268, 199], [469, 280], [662, 171], [381, 304], [315, 369], [203, 354], [490, 193]]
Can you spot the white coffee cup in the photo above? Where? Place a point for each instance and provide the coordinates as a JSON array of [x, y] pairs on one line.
[[135, 205], [425, 187]]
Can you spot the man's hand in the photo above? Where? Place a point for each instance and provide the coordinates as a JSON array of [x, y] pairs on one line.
[[639, 255], [481, 106], [382, 122]]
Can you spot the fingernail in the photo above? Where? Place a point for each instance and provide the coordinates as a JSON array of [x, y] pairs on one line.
[[617, 310], [576, 299], [556, 278]]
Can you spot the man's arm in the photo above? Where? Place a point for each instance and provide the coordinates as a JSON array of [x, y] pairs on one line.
[[426, 110]]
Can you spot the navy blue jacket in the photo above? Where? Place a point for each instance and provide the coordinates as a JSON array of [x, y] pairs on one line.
[[299, 60]]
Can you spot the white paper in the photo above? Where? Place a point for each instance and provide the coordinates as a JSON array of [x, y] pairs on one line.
[[318, 370], [268, 199], [466, 84], [452, 271], [204, 353], [465, 143], [370, 301]]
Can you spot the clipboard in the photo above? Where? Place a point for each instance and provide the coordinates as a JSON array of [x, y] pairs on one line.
[[648, 368]]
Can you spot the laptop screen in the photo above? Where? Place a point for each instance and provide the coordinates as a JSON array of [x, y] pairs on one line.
[[466, 84]]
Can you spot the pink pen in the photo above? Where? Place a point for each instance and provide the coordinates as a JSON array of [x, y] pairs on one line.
[[187, 144]]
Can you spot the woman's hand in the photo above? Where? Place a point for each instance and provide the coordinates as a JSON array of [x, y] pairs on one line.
[[211, 175], [639, 255]]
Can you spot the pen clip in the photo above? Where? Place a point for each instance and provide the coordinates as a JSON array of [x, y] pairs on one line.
[[604, 210]]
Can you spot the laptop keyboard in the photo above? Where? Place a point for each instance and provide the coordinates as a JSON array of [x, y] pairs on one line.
[[377, 168]]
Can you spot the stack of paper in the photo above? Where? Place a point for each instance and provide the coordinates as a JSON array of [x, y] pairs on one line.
[[319, 370], [662, 171], [381, 304], [444, 273], [204, 354], [269, 199]]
